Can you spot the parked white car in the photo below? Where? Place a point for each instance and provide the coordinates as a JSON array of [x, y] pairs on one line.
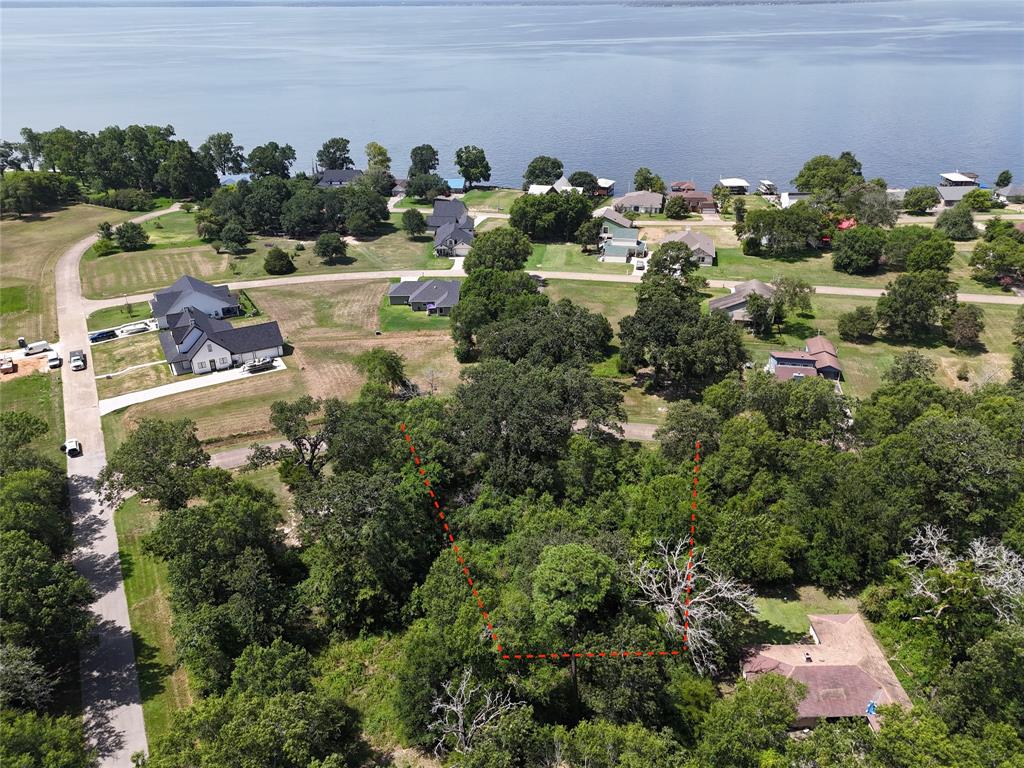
[[130, 330], [77, 359], [258, 365], [71, 447], [53, 359]]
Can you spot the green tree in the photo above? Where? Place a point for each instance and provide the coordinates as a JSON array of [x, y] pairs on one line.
[[334, 154], [685, 423], [827, 178], [909, 364], [28, 739], [919, 200], [978, 200], [963, 326], [870, 205], [24, 192], [677, 208], [505, 248], [858, 324], [901, 241], [957, 223], [550, 217], [34, 500], [739, 210], [377, 156], [383, 367], [424, 159], [131, 236], [487, 295], [585, 180], [858, 251], [413, 223], [264, 202], [67, 151], [588, 234], [23, 681], [427, 187], [186, 173], [671, 259], [278, 262], [105, 230], [472, 164], [1000, 259], [1004, 179], [307, 444], [330, 248], [548, 335], [157, 460], [765, 313], [645, 179], [233, 237], [794, 292], [542, 170], [302, 213], [935, 253], [914, 303], [270, 159], [225, 156], [783, 232]]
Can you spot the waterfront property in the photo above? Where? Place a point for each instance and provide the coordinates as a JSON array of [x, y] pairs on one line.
[[951, 195], [620, 241], [187, 291], [194, 342], [699, 243], [787, 199], [735, 304], [560, 187], [333, 178], [767, 187], [696, 200], [818, 358], [735, 185], [640, 202], [1011, 193], [957, 179], [844, 669], [447, 210], [605, 188], [454, 238], [435, 297]]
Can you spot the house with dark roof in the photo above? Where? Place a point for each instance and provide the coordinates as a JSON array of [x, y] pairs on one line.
[[818, 358], [454, 238], [194, 342], [844, 669], [447, 210], [735, 304], [951, 195], [187, 291], [640, 202], [333, 178], [435, 297], [700, 244], [1011, 193], [620, 240]]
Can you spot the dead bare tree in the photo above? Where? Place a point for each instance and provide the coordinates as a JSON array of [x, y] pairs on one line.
[[696, 602], [931, 547], [1001, 571], [463, 711]]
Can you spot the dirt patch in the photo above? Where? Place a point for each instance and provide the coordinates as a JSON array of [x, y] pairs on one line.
[[26, 366]]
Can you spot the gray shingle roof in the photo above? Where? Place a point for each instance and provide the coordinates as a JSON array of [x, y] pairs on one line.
[[693, 240], [338, 177], [954, 194], [244, 338], [740, 293], [446, 211], [461, 231], [643, 199], [178, 292], [440, 293]]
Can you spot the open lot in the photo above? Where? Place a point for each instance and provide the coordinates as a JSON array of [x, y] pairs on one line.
[[499, 200], [568, 257], [40, 395], [112, 317], [111, 357], [613, 300], [29, 250], [328, 325], [130, 273], [164, 685]]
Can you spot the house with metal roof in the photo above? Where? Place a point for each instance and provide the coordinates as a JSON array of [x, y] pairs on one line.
[[194, 342], [699, 243], [605, 188], [957, 179], [435, 297], [187, 291], [735, 185], [845, 671], [332, 178], [735, 304]]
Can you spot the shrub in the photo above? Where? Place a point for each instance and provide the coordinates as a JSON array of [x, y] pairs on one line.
[[330, 248], [957, 223], [277, 262], [963, 373], [104, 247], [124, 200], [918, 200], [300, 247], [751, 247], [858, 324], [131, 236]]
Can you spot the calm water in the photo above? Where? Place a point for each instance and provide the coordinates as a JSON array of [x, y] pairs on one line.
[[914, 88]]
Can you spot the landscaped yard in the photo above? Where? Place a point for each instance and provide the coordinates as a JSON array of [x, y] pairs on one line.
[[499, 200], [568, 257], [29, 250], [112, 317], [400, 317], [164, 686], [131, 273], [38, 394]]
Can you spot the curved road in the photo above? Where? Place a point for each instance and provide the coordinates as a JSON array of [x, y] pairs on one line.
[[110, 684]]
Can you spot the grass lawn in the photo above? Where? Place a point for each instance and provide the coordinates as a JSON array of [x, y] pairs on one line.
[[175, 230], [567, 257], [789, 612], [29, 250], [488, 224], [164, 685], [112, 317], [402, 318], [131, 273], [113, 356], [499, 200], [39, 394], [753, 203], [613, 300], [669, 220]]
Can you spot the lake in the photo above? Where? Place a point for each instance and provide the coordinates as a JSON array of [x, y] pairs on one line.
[[702, 91]]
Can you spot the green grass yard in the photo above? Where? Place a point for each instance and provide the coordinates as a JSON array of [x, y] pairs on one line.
[[400, 317], [568, 257], [613, 300], [164, 685], [39, 394], [499, 200], [790, 612], [112, 317]]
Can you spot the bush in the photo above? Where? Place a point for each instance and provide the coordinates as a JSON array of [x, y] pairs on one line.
[[751, 247], [131, 236], [918, 200], [188, 207], [300, 247], [677, 208], [858, 324], [27, 191], [124, 200], [963, 373], [277, 262], [104, 247], [858, 251], [957, 223], [330, 248]]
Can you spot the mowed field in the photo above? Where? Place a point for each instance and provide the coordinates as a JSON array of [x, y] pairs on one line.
[[29, 250], [180, 253], [327, 326]]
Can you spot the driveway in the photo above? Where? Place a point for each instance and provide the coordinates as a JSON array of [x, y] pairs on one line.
[[187, 384], [110, 686]]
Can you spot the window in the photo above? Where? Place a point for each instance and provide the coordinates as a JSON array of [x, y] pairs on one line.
[[224, 361], [209, 347], [200, 364]]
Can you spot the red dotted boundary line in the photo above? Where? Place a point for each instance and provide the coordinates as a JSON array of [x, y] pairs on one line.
[[559, 655], [435, 501]]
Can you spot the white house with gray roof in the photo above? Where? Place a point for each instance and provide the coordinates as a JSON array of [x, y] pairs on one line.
[[435, 297], [187, 291], [197, 343]]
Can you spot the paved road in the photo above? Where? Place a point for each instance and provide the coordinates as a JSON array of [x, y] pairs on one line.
[[110, 685]]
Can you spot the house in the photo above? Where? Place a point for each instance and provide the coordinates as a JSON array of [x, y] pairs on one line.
[[734, 185], [456, 185], [682, 186], [1012, 193], [560, 187], [818, 358], [702, 246], [187, 291], [957, 179], [399, 189], [735, 304], [605, 188], [787, 199], [640, 202], [766, 187], [435, 297], [338, 177], [896, 194], [845, 671], [454, 238], [619, 238], [446, 211], [951, 195], [194, 342], [696, 201]]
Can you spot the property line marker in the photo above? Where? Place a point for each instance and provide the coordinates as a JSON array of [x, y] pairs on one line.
[[558, 655]]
